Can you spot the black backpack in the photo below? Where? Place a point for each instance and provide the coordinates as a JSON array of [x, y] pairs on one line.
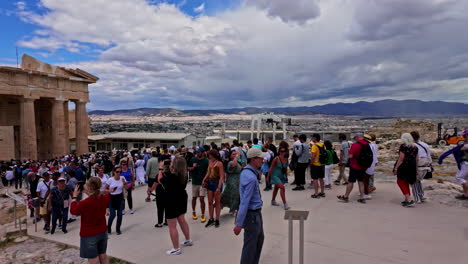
[[323, 157], [366, 157], [226, 157], [336, 160]]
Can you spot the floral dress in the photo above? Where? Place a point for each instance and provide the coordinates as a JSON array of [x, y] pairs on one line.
[[231, 196], [408, 169]]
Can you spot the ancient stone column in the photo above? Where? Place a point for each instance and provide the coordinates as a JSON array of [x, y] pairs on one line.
[[274, 133], [28, 137], [81, 124], [58, 128], [259, 128], [284, 131], [67, 128], [252, 128]]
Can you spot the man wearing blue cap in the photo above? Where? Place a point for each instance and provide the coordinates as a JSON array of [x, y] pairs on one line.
[[198, 166]]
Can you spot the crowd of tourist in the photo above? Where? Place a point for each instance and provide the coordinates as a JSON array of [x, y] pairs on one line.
[[227, 175]]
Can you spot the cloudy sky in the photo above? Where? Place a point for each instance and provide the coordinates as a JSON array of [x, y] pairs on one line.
[[241, 53]]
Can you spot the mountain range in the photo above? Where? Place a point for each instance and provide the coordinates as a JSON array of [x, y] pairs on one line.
[[382, 108]]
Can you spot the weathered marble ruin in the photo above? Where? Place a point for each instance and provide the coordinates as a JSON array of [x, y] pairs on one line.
[[34, 116]]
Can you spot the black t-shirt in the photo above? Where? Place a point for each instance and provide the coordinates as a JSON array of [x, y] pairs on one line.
[[33, 187], [59, 196], [172, 187]]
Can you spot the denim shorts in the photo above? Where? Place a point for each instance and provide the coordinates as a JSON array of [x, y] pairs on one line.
[[91, 247], [213, 185]]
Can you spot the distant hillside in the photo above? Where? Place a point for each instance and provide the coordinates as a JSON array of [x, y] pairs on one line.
[[377, 108]]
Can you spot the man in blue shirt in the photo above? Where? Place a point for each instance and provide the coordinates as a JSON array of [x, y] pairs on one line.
[[249, 215], [79, 175]]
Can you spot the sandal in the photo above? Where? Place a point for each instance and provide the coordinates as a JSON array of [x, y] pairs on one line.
[[158, 225], [315, 196], [361, 201], [343, 198]]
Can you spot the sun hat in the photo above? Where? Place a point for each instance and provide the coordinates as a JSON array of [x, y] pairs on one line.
[[368, 137], [255, 153]]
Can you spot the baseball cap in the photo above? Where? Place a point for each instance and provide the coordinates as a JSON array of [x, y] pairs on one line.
[[45, 174], [61, 179], [358, 135], [199, 149], [465, 132], [255, 153]]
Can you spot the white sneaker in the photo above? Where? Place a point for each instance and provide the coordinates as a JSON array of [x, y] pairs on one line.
[[187, 243], [367, 197], [286, 206], [132, 212], [173, 252], [123, 212], [274, 203]]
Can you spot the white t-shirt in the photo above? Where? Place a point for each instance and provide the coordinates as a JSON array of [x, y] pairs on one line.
[[104, 180], [375, 155], [42, 187], [424, 151], [268, 157], [116, 183]]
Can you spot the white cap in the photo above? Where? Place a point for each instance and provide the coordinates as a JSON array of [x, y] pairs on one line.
[[255, 153], [61, 179]]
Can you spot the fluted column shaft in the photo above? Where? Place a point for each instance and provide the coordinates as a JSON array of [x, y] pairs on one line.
[[28, 137], [81, 124]]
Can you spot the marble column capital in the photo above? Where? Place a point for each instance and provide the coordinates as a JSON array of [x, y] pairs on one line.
[[61, 99], [28, 99]]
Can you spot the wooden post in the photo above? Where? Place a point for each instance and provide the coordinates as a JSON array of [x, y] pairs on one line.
[[301, 216], [14, 212], [290, 236], [301, 240]]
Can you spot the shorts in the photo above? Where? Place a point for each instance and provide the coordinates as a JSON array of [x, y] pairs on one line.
[[91, 247], [462, 174], [213, 185], [151, 182], [317, 172], [356, 175], [198, 191]]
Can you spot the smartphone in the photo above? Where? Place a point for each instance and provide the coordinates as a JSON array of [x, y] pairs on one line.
[[80, 186]]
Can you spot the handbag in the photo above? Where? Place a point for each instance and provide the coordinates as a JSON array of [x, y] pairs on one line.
[[428, 175]]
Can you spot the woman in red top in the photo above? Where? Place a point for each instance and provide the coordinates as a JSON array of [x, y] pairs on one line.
[[93, 230]]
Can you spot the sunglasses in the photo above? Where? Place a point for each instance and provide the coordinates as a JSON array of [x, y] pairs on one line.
[[282, 151], [118, 171]]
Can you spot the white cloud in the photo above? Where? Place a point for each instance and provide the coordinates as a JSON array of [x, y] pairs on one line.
[[262, 53], [200, 8]]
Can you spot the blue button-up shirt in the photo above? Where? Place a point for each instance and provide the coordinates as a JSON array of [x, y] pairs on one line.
[[250, 198]]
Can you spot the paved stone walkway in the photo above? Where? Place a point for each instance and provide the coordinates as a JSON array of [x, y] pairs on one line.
[[380, 231]]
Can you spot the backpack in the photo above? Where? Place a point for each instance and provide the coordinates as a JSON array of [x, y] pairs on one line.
[[366, 157], [323, 157], [225, 159], [336, 160], [294, 159]]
